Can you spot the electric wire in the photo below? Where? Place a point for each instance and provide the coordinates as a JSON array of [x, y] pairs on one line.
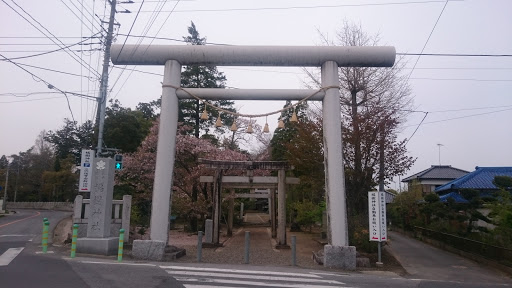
[[50, 86], [130, 31], [408, 139], [461, 117], [426, 42], [308, 7], [56, 71], [37, 28], [73, 12], [145, 30], [145, 51]]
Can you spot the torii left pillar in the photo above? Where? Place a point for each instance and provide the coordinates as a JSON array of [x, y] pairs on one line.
[[154, 249]]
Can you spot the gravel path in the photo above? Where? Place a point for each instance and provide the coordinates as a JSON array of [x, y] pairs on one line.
[[261, 249]]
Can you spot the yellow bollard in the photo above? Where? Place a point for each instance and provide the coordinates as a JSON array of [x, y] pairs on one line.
[[73, 240], [121, 241], [46, 224]]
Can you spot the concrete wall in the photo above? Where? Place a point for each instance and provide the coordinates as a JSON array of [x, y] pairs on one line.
[[61, 206]]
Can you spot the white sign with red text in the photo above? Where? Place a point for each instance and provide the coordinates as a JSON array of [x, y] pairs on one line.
[[377, 216]]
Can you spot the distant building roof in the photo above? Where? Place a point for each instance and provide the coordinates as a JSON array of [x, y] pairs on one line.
[[456, 196], [446, 172], [480, 179]]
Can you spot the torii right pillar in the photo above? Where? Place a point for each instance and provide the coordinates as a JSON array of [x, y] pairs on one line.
[[337, 253]]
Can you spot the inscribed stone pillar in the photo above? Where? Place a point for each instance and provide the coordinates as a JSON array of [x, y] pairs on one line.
[[217, 190], [231, 211], [272, 209], [101, 199], [281, 203]]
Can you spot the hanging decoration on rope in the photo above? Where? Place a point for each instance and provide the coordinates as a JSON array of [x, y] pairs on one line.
[[218, 123]]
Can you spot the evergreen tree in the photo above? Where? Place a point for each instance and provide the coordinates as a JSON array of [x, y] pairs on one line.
[[195, 76], [125, 129], [283, 136]]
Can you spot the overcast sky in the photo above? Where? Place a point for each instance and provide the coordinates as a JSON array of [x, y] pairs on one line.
[[468, 98]]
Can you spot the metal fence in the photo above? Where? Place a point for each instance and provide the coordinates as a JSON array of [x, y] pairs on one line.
[[500, 254]]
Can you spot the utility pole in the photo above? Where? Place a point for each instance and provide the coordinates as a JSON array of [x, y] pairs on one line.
[[4, 204], [16, 183], [381, 176], [102, 101]]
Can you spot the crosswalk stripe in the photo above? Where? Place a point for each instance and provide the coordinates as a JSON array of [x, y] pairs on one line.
[[9, 255], [239, 282], [206, 286], [240, 271], [256, 277]]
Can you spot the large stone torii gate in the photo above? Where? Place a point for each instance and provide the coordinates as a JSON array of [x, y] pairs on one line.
[[337, 253]]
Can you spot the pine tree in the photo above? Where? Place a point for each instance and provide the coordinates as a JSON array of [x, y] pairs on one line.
[[195, 76]]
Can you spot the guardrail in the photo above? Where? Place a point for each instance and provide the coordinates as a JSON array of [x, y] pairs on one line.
[[500, 254]]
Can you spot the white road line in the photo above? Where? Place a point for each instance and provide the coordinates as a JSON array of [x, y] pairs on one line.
[[17, 235], [117, 263], [41, 252], [328, 274], [240, 271], [237, 282], [206, 286], [255, 277], [9, 255]]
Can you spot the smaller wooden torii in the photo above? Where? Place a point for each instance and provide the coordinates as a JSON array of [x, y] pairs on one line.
[[266, 182]]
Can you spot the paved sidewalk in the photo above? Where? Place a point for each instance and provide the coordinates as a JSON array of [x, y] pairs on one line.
[[423, 261]]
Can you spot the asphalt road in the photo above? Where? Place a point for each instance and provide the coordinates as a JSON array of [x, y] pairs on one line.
[[28, 268], [422, 261]]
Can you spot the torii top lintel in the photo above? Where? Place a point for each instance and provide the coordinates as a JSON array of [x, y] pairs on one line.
[[291, 56]]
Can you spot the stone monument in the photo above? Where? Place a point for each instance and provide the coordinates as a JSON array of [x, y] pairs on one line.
[[98, 240]]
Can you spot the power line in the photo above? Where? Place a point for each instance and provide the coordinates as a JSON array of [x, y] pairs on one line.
[[48, 52], [23, 95], [56, 71], [165, 21], [426, 42], [44, 52], [73, 12], [50, 86], [169, 39], [46, 44], [133, 23], [145, 31], [298, 73], [308, 7], [30, 100], [426, 113], [454, 55], [462, 79], [461, 117], [37, 28], [40, 37], [467, 109]]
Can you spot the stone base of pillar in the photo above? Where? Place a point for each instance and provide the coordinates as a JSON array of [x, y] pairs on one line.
[[98, 246], [148, 250], [342, 257]]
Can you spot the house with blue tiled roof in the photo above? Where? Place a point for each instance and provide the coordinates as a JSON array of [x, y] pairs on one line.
[[481, 179], [433, 177]]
